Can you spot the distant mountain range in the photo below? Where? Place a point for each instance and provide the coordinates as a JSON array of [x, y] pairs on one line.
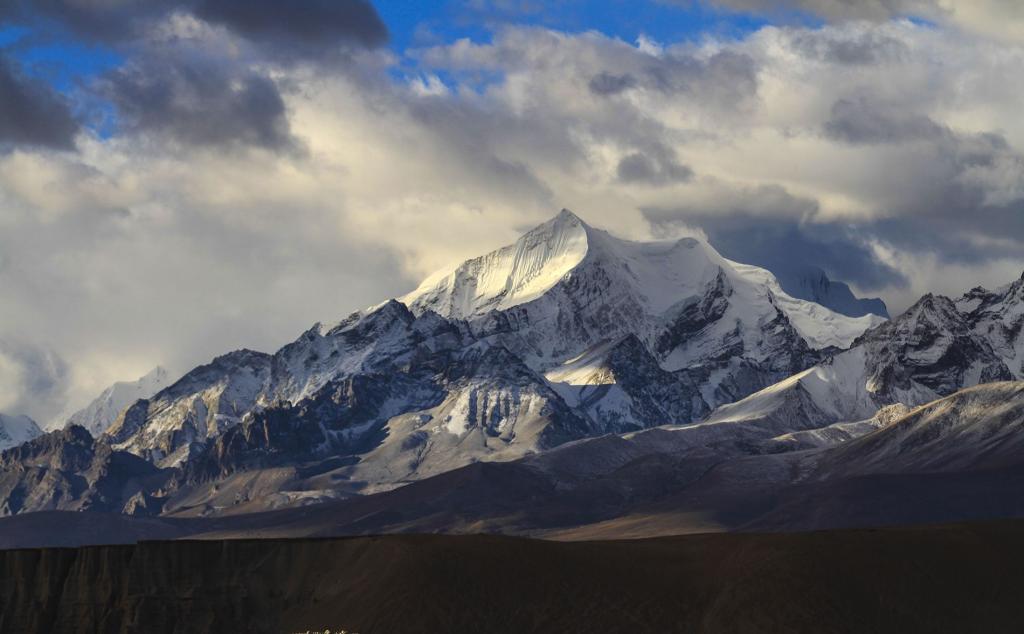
[[101, 413], [798, 276], [14, 430], [811, 283], [571, 382]]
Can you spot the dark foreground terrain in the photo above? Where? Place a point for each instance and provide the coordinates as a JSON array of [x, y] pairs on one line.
[[966, 578]]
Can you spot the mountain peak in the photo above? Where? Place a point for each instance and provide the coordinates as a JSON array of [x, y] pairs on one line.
[[102, 411], [642, 281], [931, 307], [240, 357], [15, 430], [512, 275], [812, 283], [564, 223], [930, 314], [566, 215]]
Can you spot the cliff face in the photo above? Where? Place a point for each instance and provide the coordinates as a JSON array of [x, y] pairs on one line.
[[146, 588], [69, 470], [935, 579]]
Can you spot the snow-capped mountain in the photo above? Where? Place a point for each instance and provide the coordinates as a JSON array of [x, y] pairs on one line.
[[572, 355], [386, 382], [998, 317], [937, 347], [436, 413], [568, 333], [811, 283], [15, 430], [626, 334], [211, 398], [566, 291], [101, 413], [565, 265], [798, 274]]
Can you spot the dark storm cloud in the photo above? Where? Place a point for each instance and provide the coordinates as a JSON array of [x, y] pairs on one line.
[[779, 246], [953, 236], [200, 102], [304, 27], [860, 120], [658, 166], [960, 196], [765, 226], [297, 28], [98, 20], [164, 88], [31, 112], [970, 210]]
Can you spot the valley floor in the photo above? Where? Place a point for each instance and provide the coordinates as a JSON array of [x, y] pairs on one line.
[[953, 578]]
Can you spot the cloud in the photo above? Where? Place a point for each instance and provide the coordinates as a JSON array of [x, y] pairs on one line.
[[658, 167], [31, 112], [304, 28], [605, 83], [897, 168], [307, 29], [106, 21], [961, 194], [208, 252], [199, 101], [834, 9], [851, 140], [196, 72], [996, 19], [851, 47], [768, 226], [723, 79], [858, 120], [34, 381]]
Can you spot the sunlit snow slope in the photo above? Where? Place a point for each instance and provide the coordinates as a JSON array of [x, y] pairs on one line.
[[560, 270]]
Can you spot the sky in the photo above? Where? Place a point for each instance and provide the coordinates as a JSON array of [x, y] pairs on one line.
[[181, 178]]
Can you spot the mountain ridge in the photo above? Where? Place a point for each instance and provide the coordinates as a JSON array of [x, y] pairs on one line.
[[698, 329], [570, 347], [15, 430], [102, 411]]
